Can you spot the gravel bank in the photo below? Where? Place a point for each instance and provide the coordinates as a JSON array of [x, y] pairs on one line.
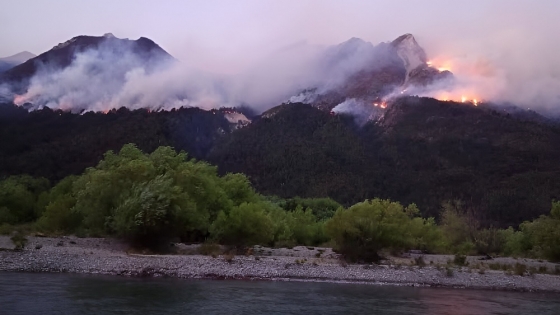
[[109, 257]]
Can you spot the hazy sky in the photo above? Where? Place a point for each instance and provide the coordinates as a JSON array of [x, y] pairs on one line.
[[500, 50], [227, 35]]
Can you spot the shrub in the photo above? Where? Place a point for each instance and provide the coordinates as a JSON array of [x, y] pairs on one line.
[[460, 260], [19, 240], [209, 249], [365, 228], [419, 261], [247, 224], [544, 234], [229, 257], [519, 269], [6, 229], [449, 272]]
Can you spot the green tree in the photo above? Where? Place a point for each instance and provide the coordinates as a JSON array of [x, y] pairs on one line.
[[367, 227], [544, 234], [55, 208], [146, 198], [18, 197], [459, 228], [244, 225], [322, 208]]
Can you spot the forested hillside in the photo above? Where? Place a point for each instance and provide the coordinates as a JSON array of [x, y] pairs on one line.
[[500, 168]]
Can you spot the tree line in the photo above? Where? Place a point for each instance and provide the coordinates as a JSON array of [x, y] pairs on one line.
[[153, 199], [503, 168]]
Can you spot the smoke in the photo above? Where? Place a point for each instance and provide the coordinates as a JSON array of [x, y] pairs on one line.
[[361, 111], [494, 68], [499, 51], [113, 75]]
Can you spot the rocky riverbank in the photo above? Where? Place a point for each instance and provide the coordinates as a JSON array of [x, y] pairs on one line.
[[105, 256]]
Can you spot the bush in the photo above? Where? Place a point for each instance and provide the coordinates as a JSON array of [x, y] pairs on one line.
[[209, 249], [544, 234], [296, 227], [59, 216], [18, 197], [460, 260], [365, 228], [245, 225], [449, 272], [419, 261], [19, 240], [519, 269], [489, 241]]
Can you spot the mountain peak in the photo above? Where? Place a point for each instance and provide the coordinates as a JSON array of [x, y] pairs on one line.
[[146, 53], [9, 62], [410, 52]]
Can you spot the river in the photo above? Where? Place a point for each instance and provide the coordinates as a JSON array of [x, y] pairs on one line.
[[44, 293]]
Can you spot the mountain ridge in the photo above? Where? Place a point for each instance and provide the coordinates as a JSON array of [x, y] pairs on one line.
[[9, 62], [63, 54]]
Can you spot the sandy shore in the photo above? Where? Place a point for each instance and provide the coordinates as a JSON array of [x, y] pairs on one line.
[[109, 257]]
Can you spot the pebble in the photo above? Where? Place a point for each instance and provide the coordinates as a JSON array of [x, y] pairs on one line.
[[115, 261]]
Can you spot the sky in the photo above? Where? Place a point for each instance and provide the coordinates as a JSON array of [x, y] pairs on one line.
[[501, 50], [226, 36]]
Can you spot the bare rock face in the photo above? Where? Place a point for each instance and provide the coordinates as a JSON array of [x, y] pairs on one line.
[[412, 55]]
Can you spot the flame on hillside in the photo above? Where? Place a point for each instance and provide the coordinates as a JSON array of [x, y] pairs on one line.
[[464, 92], [441, 65], [382, 104], [459, 98]]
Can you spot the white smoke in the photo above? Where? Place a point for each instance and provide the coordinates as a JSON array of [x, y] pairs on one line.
[[359, 109], [111, 77], [114, 76]]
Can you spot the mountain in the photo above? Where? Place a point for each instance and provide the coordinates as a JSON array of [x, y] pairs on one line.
[[14, 60], [503, 168], [365, 75], [56, 143], [424, 151], [108, 48], [338, 139]]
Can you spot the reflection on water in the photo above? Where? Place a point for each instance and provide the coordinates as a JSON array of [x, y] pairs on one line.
[[27, 293]]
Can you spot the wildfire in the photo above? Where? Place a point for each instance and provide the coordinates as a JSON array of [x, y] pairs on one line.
[[441, 66], [464, 98], [382, 105]]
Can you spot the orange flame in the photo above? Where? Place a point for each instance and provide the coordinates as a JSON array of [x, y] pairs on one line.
[[465, 98], [380, 105], [440, 65]]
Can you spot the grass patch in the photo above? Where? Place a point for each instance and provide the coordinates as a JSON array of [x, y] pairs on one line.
[[209, 249], [229, 257], [19, 240], [519, 269], [419, 261], [460, 260], [449, 272]]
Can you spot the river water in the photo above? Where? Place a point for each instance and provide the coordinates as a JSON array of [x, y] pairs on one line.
[[44, 293]]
